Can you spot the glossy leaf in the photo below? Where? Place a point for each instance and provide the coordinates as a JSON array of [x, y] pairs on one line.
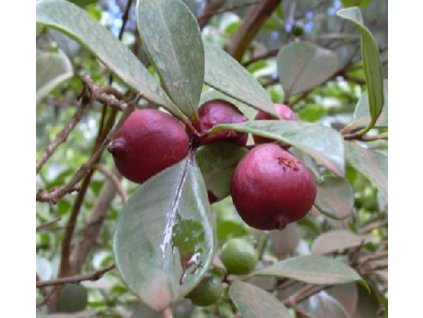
[[217, 162], [304, 65], [324, 305], [75, 22], [346, 295], [254, 302], [53, 68], [163, 240], [371, 62], [311, 269], [284, 242], [324, 144], [225, 74], [336, 240], [361, 115], [367, 306], [372, 164], [335, 197], [172, 38]]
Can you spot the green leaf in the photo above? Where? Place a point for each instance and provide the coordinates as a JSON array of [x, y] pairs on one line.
[[228, 76], [83, 3], [75, 22], [368, 305], [371, 62], [217, 162], [284, 242], [372, 164], [322, 143], [227, 220], [163, 240], [254, 302], [304, 65], [324, 305], [311, 269], [312, 113], [335, 197], [352, 3], [336, 240], [346, 295], [172, 38], [53, 68], [361, 117]]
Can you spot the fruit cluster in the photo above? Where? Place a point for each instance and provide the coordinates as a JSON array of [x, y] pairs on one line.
[[270, 187]]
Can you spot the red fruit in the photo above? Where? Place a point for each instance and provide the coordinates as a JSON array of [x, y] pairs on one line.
[[284, 112], [148, 142], [271, 188], [216, 112]]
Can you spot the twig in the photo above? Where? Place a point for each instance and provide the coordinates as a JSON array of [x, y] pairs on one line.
[[125, 17], [208, 14], [106, 95], [374, 225], [254, 19], [47, 224], [46, 298], [76, 278], [92, 227], [264, 56], [114, 179], [62, 136], [371, 268], [53, 196], [372, 257], [383, 136]]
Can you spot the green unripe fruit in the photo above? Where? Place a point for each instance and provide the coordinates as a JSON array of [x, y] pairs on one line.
[[218, 271], [207, 292], [72, 298], [239, 256]]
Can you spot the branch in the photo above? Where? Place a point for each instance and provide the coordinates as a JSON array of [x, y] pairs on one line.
[[53, 196], [47, 224], [269, 54], [211, 7], [107, 95], [92, 227], [114, 179], [62, 136], [209, 12], [76, 278], [383, 136], [255, 17]]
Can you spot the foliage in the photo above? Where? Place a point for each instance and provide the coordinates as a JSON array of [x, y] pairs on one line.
[[166, 238]]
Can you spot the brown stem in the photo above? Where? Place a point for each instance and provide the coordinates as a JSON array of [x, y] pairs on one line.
[[106, 95], [255, 17], [212, 8], [264, 56], [92, 227], [112, 176], [76, 278], [372, 257], [47, 224], [53, 196], [62, 136]]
